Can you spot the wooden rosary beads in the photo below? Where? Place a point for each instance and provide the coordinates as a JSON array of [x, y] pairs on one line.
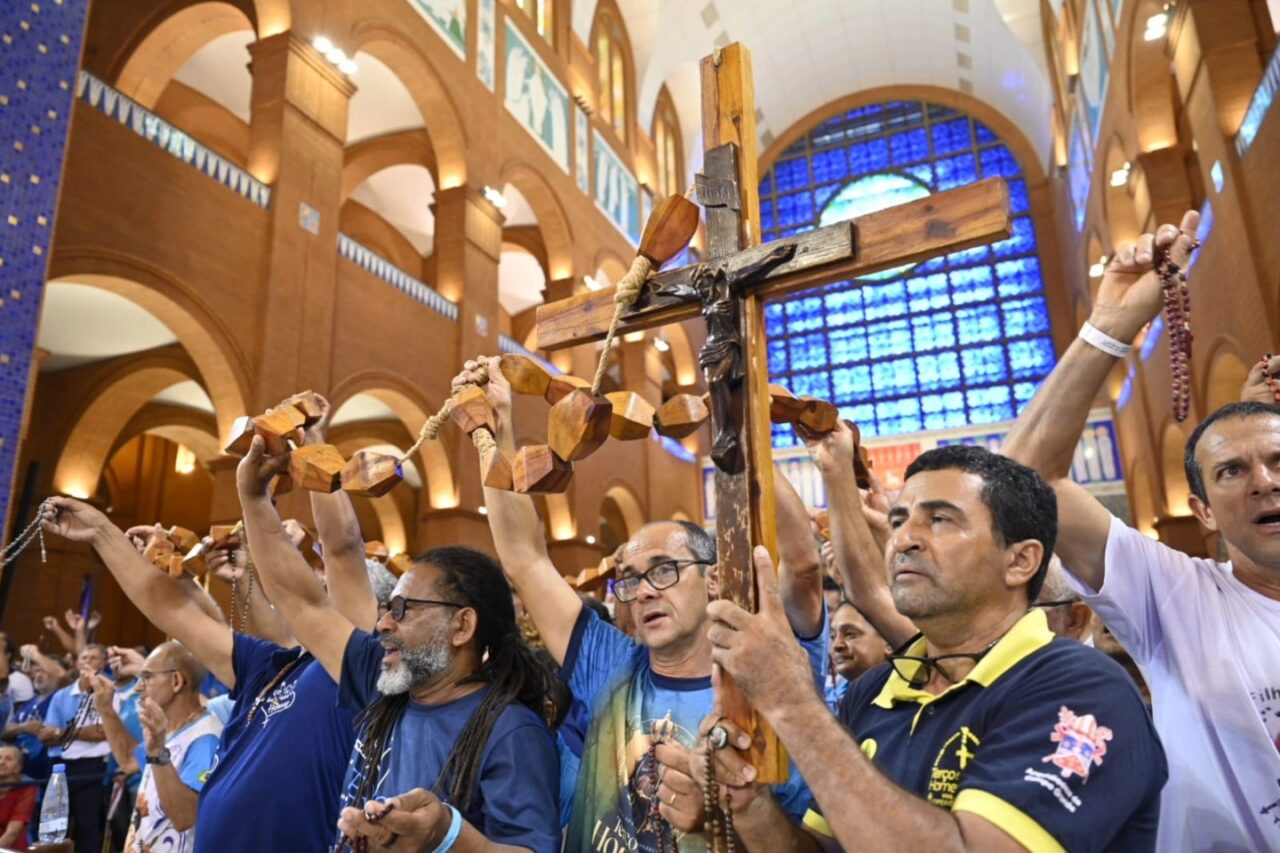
[[653, 819], [1272, 382], [1177, 309]]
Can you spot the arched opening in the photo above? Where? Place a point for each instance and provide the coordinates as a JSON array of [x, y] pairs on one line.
[[1152, 89], [522, 274], [547, 211], [1176, 491], [1226, 376], [1121, 177], [620, 518]]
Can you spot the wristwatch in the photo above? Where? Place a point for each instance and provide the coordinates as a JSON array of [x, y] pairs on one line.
[[161, 758]]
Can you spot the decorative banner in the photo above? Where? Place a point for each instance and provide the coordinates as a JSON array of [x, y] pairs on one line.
[[486, 42], [1096, 465], [449, 19], [1078, 171], [1093, 70], [535, 97], [40, 53], [582, 147], [617, 191]]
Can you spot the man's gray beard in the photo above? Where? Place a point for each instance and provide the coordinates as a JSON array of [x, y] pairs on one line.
[[417, 665]]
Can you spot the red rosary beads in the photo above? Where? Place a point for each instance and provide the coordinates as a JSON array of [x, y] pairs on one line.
[[653, 820], [717, 822], [1177, 310], [1272, 382]]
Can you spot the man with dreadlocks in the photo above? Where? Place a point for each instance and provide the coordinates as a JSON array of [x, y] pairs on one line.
[[451, 694]]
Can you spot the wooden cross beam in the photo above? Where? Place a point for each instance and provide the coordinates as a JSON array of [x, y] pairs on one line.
[[730, 289]]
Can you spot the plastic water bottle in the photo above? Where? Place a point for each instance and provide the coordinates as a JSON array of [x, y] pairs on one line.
[[54, 812]]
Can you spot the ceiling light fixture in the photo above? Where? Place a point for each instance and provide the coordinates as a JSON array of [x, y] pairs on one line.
[[592, 283], [591, 540], [484, 510], [336, 56], [496, 198], [1120, 177], [1157, 25], [184, 462], [661, 345]]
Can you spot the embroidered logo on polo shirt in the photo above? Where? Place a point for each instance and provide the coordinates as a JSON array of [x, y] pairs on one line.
[[281, 699], [949, 765], [1081, 744]]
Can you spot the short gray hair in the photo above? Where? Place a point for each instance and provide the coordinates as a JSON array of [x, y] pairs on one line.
[[381, 581]]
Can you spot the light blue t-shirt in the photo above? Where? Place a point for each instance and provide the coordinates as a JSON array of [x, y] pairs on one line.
[[629, 705]]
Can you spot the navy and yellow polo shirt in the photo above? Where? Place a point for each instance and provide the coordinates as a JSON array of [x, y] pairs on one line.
[[1045, 738]]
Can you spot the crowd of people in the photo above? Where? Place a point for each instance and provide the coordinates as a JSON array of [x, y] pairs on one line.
[[929, 660]]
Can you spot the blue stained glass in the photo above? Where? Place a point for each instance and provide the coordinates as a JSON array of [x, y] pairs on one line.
[[885, 300], [952, 136], [867, 157], [766, 214], [984, 364], [955, 172], [804, 315], [814, 384], [1023, 241], [1025, 317], [830, 165], [808, 351], [972, 285], [954, 341], [933, 331], [938, 372], [774, 324], [852, 383], [925, 293], [998, 162], [978, 324], [909, 147], [1018, 200], [777, 357], [988, 405], [1031, 359], [843, 306], [847, 345], [897, 376], [889, 338], [784, 436], [1019, 277], [795, 209], [791, 174]]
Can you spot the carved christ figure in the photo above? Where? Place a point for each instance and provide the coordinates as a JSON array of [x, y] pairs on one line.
[[718, 285]]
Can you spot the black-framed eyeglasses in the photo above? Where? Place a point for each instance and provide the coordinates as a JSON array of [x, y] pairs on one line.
[[1057, 602], [659, 576], [399, 604], [148, 674], [917, 670]]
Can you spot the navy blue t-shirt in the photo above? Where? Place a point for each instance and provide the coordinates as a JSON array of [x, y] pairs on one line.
[[516, 797], [276, 781]]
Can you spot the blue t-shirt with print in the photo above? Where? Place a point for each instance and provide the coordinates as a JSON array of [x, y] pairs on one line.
[[630, 703], [37, 764], [515, 799], [276, 780]]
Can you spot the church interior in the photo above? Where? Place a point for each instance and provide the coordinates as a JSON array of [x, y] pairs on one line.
[[260, 197]]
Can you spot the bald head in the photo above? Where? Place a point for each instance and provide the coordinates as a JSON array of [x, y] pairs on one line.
[[173, 655]]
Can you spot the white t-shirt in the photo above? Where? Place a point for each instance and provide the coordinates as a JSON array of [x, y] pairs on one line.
[[20, 687], [1209, 649], [191, 751]]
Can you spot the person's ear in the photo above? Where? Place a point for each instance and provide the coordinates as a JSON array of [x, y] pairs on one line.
[[1203, 512], [468, 622], [1024, 559]]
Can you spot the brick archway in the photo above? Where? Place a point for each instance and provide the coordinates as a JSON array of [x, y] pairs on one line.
[[553, 223]]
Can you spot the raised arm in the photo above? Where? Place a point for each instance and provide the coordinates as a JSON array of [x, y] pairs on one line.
[[1046, 433], [121, 742], [161, 599], [284, 573], [799, 569], [859, 558], [518, 536], [55, 671], [53, 626]]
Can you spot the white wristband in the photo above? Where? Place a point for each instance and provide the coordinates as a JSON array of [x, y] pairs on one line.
[[1095, 337]]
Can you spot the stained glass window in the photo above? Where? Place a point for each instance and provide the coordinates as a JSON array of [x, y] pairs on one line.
[[950, 342]]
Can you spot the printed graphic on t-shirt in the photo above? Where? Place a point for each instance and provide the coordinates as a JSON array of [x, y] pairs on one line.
[[281, 699], [1268, 701]]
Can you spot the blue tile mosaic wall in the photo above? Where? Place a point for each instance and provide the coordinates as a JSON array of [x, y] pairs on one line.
[[954, 341], [39, 55]]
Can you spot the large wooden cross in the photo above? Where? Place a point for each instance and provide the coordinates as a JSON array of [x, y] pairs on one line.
[[730, 288]]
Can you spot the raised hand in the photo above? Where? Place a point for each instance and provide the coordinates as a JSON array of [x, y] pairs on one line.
[[104, 693], [50, 624], [1130, 295], [73, 519], [876, 503], [74, 620], [95, 619], [142, 534], [155, 725], [497, 389], [1256, 387], [125, 662], [258, 468], [228, 562], [316, 432], [831, 452]]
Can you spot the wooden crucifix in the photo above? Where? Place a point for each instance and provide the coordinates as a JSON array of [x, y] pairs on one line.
[[730, 289]]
